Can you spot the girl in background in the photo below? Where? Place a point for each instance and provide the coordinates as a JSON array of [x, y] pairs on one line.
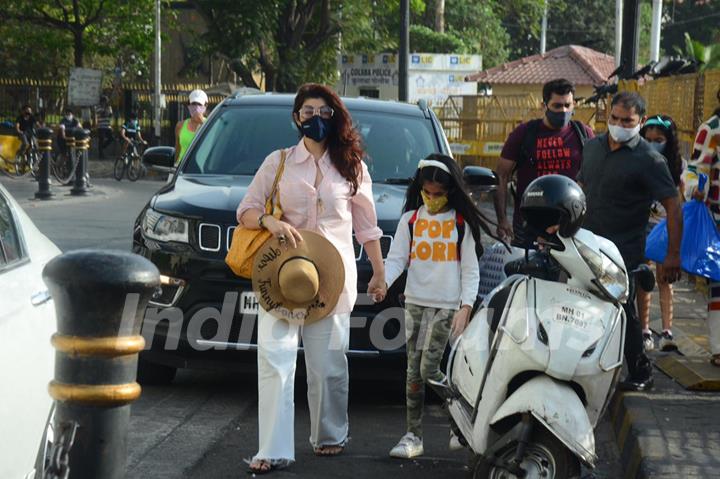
[[660, 131]]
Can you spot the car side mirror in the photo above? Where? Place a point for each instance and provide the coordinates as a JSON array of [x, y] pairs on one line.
[[644, 277], [160, 158], [480, 176], [480, 181]]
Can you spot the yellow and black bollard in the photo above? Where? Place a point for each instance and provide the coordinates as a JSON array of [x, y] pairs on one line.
[[44, 141], [100, 300], [82, 146]]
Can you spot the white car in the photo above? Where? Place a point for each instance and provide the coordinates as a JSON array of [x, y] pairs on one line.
[[27, 321]]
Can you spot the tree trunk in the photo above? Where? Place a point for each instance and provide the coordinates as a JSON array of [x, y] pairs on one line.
[[440, 16], [78, 47]]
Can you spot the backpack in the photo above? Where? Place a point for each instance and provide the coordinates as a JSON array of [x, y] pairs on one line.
[[459, 226], [530, 138]]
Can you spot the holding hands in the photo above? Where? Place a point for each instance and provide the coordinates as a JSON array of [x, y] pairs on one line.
[[377, 288]]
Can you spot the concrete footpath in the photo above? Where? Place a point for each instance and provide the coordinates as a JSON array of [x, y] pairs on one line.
[[673, 431]]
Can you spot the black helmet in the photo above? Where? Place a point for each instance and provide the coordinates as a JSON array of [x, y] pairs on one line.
[[554, 200]]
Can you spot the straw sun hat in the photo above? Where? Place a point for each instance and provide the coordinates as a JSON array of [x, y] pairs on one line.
[[300, 285]]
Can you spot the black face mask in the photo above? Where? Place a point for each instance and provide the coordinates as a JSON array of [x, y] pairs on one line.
[[558, 119], [316, 128]]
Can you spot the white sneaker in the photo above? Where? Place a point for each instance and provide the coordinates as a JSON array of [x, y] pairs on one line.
[[409, 446], [667, 342], [648, 342], [455, 444]]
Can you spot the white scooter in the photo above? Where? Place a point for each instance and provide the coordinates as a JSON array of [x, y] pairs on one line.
[[534, 370]]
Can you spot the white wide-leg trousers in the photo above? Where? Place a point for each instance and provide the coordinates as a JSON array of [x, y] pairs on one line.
[[325, 344]]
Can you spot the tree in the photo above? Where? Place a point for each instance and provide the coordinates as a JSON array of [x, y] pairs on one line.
[[700, 17], [94, 26], [288, 40], [422, 39], [708, 56]]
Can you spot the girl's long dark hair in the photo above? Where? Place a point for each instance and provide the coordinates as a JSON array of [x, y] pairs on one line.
[[672, 145], [343, 141], [458, 197]]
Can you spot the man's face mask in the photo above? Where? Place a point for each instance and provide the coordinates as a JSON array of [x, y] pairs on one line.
[[69, 116], [434, 205], [623, 135], [316, 128], [558, 119]]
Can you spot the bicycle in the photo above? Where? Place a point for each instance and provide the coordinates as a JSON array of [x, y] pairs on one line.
[[130, 163], [63, 165]]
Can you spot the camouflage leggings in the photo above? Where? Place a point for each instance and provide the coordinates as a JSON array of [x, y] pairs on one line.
[[426, 332]]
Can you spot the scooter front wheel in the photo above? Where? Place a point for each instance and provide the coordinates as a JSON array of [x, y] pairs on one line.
[[545, 457]]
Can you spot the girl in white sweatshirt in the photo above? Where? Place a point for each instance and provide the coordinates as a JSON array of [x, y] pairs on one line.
[[438, 241]]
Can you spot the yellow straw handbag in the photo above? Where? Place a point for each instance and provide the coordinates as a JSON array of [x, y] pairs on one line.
[[245, 241]]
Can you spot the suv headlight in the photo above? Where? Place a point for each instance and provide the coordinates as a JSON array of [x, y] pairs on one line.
[[161, 227], [610, 277]]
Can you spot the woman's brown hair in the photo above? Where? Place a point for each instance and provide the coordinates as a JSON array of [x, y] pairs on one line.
[[343, 141]]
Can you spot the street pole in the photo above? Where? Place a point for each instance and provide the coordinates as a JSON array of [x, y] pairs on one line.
[[630, 38], [404, 50], [655, 30], [543, 32], [156, 96], [618, 31]]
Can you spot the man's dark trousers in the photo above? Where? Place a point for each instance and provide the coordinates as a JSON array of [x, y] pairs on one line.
[[638, 363]]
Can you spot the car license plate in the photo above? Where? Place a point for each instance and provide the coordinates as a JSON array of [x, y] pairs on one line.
[[249, 303]]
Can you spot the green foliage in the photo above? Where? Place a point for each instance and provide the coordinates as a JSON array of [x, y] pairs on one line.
[[97, 33], [479, 26], [590, 23], [699, 17], [707, 55], [423, 39]]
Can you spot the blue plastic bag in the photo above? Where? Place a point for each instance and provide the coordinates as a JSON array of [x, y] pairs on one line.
[[700, 248]]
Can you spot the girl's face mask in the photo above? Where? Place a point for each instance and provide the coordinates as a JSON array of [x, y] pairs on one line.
[[197, 109], [434, 205]]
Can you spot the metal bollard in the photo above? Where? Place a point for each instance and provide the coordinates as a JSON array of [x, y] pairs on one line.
[[97, 346], [82, 145], [44, 140]]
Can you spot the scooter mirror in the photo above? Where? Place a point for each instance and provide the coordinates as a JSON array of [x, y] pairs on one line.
[[644, 277]]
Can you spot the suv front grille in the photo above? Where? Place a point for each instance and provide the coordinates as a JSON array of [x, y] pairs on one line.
[[210, 239], [209, 236]]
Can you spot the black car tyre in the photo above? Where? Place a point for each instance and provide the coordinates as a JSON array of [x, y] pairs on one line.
[[545, 455], [152, 373]]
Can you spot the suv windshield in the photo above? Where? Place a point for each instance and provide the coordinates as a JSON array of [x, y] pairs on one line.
[[239, 139]]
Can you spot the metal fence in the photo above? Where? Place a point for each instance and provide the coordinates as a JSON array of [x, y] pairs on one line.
[[49, 98], [477, 126]]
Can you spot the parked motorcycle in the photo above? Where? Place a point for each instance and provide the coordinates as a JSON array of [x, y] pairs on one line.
[[533, 372]]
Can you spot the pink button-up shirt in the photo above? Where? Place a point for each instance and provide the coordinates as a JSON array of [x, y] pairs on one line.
[[329, 209]]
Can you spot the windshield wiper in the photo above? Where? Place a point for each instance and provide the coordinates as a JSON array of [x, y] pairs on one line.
[[396, 181]]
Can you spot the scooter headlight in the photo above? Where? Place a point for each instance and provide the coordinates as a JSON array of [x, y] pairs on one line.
[[610, 277]]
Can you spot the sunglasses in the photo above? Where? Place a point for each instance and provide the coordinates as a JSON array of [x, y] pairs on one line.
[[324, 111]]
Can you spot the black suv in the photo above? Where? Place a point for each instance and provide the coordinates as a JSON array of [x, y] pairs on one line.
[[204, 312]]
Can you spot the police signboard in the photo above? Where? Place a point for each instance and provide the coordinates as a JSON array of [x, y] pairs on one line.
[[84, 87]]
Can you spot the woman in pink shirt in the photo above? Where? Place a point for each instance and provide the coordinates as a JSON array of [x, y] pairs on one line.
[[325, 187]]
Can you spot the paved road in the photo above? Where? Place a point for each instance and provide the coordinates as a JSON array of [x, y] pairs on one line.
[[204, 424]]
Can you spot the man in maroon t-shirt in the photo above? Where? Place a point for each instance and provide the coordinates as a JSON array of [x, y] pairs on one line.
[[548, 146]]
